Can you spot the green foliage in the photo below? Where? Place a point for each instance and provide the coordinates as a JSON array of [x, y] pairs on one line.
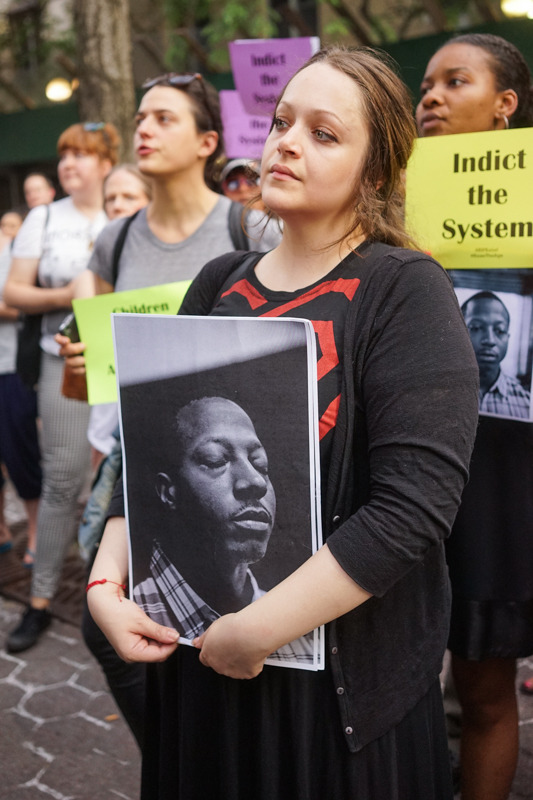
[[389, 25], [383, 30], [454, 10], [176, 56], [33, 41], [236, 21], [214, 23], [336, 28], [66, 43]]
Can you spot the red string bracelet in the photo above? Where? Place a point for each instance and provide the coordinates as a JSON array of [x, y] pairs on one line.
[[105, 580]]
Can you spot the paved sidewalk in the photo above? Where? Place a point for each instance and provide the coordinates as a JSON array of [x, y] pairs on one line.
[[60, 733]]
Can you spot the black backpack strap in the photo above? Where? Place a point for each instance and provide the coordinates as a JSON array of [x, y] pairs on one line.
[[119, 245], [238, 235]]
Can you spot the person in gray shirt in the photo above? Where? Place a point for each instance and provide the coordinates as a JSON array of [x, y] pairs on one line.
[[178, 144], [147, 260]]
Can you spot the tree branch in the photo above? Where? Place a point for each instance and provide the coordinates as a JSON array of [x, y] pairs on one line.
[[11, 89], [488, 12], [199, 51], [436, 12], [374, 21], [344, 12], [153, 51], [293, 17], [67, 63], [412, 14]]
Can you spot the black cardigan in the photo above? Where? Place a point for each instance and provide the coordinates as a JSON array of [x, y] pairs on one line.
[[403, 320]]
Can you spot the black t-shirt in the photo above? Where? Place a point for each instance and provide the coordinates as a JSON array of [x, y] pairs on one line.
[[325, 304]]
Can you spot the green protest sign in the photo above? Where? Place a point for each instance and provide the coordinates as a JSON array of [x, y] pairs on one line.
[[94, 324]]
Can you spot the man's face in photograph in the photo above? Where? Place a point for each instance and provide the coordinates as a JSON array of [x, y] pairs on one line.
[[487, 321], [223, 486]]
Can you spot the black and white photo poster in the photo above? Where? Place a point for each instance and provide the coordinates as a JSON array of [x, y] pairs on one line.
[[219, 427], [497, 308]]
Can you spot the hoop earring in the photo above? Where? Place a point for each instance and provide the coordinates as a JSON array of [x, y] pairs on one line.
[[505, 122]]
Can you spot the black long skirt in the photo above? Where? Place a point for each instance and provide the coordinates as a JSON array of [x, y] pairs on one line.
[[278, 737], [490, 550]]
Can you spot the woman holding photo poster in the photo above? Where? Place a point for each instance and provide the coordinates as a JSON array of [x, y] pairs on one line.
[[397, 385], [480, 82]]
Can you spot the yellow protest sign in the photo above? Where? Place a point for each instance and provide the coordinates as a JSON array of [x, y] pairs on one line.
[[469, 198], [94, 325]]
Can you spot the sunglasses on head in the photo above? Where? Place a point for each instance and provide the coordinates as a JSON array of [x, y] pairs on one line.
[[180, 81], [173, 79], [94, 127]]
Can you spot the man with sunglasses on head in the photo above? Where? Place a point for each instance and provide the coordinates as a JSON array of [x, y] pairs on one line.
[[179, 145]]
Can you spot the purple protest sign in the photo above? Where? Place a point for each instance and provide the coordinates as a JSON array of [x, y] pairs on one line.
[[244, 134], [262, 67]]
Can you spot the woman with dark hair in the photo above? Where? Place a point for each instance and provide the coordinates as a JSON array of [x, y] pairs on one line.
[[50, 251], [397, 413], [481, 82], [475, 82]]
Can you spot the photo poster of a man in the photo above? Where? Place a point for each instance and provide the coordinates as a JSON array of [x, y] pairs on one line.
[[221, 465], [497, 307]]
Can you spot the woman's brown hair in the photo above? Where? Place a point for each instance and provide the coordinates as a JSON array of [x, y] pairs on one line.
[[379, 196]]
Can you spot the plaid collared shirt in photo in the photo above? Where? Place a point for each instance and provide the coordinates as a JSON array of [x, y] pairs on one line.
[[168, 599], [507, 397]]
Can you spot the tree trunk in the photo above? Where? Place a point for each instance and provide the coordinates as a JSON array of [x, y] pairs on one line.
[[106, 91]]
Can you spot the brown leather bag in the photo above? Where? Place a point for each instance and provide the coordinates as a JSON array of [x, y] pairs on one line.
[[74, 386]]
